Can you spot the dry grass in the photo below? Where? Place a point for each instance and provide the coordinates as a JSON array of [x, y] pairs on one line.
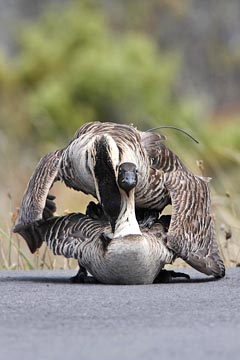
[[15, 255], [14, 252]]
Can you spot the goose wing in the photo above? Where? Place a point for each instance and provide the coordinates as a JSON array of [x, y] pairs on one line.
[[35, 196], [154, 194], [191, 233], [151, 142], [68, 235]]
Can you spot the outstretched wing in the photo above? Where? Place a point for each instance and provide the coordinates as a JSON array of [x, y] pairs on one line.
[[191, 233], [35, 196]]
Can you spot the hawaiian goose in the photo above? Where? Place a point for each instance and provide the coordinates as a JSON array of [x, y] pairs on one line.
[[128, 256], [163, 180]]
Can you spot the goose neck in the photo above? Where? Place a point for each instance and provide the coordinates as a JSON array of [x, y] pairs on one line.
[[126, 223]]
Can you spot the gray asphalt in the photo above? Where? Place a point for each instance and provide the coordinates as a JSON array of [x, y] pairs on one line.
[[43, 316]]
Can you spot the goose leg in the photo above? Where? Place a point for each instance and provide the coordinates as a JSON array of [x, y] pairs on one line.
[[82, 277], [166, 276]]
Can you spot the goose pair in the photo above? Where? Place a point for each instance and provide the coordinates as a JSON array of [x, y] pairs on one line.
[[163, 180]]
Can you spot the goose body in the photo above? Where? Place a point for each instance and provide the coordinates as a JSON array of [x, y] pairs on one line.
[[128, 256], [131, 259], [163, 180]]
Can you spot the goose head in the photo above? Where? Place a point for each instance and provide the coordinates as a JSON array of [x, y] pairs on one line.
[[127, 176]]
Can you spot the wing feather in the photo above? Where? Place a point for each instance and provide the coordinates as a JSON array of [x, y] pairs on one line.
[[35, 197], [191, 233]]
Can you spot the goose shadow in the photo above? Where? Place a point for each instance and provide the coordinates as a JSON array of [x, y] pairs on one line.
[[37, 279], [66, 279]]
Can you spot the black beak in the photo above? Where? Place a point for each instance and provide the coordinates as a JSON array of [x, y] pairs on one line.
[[127, 176]]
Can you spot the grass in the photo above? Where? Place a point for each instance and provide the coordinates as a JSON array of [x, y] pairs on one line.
[[15, 255]]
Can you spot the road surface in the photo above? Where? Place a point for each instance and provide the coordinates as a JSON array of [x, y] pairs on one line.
[[43, 316]]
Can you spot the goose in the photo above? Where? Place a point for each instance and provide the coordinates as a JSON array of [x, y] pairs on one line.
[[74, 165], [164, 180], [129, 256]]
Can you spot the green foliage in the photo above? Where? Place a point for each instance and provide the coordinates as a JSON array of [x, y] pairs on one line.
[[73, 69]]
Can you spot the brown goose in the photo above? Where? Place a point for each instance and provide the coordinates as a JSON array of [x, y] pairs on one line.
[[164, 180], [75, 166], [128, 256]]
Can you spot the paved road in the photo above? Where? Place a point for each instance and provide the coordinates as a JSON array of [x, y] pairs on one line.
[[43, 316]]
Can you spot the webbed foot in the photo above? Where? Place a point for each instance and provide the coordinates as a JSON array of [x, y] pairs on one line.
[[166, 276], [82, 277]]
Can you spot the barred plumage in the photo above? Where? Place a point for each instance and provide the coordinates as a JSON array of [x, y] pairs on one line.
[[132, 259]]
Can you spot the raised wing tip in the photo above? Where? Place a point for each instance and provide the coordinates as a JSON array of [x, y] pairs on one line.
[[209, 265], [29, 235]]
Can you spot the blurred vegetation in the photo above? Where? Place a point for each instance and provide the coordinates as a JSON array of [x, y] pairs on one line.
[[72, 67]]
